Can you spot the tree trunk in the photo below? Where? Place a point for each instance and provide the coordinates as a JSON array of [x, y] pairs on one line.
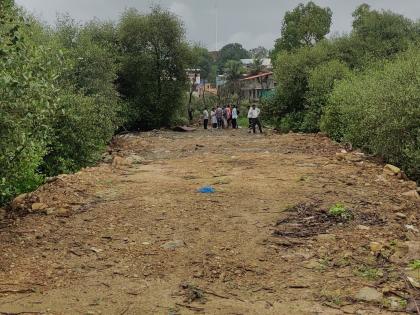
[[190, 113]]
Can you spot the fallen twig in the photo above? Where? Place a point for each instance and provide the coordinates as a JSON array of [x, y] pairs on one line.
[[194, 308], [298, 286], [17, 291], [125, 310], [215, 294]]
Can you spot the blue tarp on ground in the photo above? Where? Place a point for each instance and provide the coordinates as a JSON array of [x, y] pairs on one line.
[[207, 190]]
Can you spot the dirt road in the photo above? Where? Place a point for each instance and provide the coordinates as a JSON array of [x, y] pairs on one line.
[[137, 237]]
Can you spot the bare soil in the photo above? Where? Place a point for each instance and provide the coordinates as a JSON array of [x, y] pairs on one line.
[[136, 237]]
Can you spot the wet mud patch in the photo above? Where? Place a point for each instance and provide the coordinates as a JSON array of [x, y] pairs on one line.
[[306, 220]]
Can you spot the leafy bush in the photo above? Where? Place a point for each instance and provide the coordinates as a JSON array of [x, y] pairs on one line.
[[153, 62], [93, 118], [378, 110], [27, 101], [339, 210], [46, 128], [321, 83]]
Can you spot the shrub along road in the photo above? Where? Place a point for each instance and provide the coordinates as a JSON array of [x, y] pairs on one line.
[[133, 235]]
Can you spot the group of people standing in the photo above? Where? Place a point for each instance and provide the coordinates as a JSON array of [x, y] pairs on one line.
[[227, 117]]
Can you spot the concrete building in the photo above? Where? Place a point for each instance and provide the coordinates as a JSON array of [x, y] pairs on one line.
[[257, 86]]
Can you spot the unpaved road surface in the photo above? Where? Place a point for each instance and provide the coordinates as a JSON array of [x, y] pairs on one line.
[[137, 237]]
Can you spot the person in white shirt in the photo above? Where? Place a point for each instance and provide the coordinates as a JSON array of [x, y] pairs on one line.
[[254, 113], [213, 118], [205, 118], [249, 119], [234, 117]]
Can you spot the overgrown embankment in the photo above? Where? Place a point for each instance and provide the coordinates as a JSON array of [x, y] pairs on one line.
[[362, 88]]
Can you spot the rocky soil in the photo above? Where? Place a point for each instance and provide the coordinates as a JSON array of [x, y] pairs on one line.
[[296, 225]]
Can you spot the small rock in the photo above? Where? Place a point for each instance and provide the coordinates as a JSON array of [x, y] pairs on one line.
[[62, 211], [369, 294], [135, 159], [401, 215], [412, 306], [38, 206], [414, 282], [172, 245], [406, 252], [391, 169], [145, 243], [340, 156], [51, 179], [363, 227], [19, 202], [325, 237], [96, 250], [49, 211], [313, 264], [412, 194], [375, 247], [2, 214], [411, 228]]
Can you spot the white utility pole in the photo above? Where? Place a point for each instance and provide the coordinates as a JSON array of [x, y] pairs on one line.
[[217, 25]]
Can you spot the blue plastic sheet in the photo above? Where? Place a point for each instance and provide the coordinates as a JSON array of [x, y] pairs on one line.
[[207, 190]]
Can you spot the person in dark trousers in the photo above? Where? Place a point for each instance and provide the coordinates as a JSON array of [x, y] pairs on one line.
[[205, 118], [219, 117], [235, 117], [254, 113], [249, 119]]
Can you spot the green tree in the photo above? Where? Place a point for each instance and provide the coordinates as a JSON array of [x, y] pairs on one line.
[[233, 70], [259, 52], [321, 82], [153, 62], [202, 60], [257, 65], [304, 26], [233, 51], [378, 110], [382, 34], [28, 96], [89, 102]]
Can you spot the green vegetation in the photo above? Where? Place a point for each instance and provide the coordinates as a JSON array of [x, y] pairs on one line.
[[378, 110], [229, 52], [304, 26], [370, 273], [153, 67], [340, 211], [65, 91], [362, 88], [415, 264]]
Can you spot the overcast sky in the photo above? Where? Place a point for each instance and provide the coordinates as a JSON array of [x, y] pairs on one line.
[[249, 22]]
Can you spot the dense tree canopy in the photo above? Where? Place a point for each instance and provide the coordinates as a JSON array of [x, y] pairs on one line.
[[259, 52], [310, 68], [153, 66], [304, 26], [233, 51]]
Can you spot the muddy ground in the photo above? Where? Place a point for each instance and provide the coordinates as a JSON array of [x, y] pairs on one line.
[[135, 237]]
